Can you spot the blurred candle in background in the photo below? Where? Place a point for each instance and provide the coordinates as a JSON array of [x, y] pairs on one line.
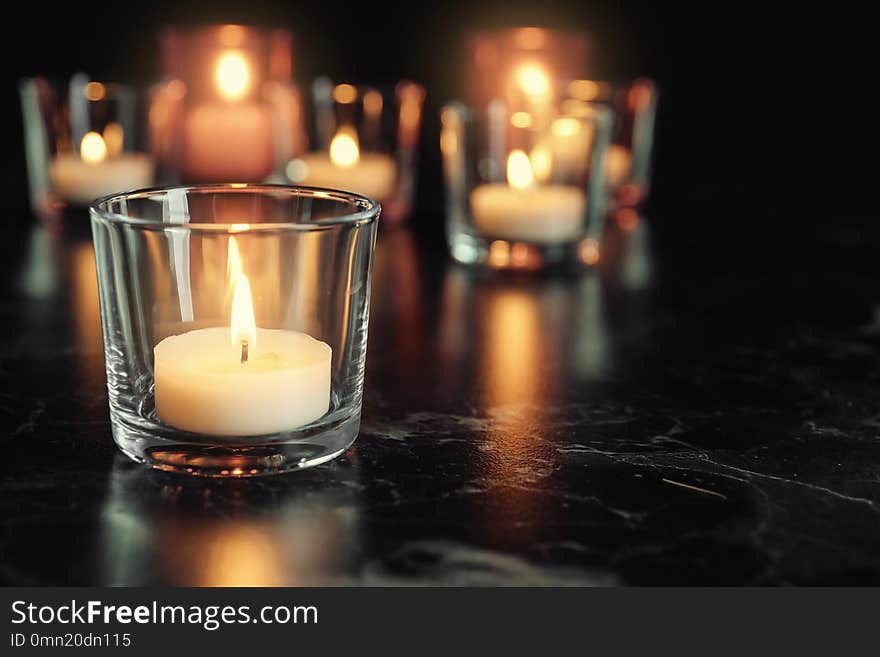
[[363, 139], [99, 168], [344, 167], [230, 137], [226, 110], [80, 142]]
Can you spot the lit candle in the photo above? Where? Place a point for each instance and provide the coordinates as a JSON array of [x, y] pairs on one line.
[[345, 167], [521, 210], [229, 139], [241, 380], [101, 168]]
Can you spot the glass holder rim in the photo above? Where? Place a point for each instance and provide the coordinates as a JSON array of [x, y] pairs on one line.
[[369, 212]]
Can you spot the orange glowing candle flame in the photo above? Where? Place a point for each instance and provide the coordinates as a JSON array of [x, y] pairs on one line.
[[243, 329], [344, 151], [92, 148], [519, 170]]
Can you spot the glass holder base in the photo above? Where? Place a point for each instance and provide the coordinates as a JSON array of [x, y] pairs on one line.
[[501, 253], [243, 457]]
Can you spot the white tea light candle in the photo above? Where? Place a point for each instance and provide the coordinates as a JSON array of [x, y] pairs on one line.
[[241, 380], [520, 210], [345, 167], [202, 385], [82, 178]]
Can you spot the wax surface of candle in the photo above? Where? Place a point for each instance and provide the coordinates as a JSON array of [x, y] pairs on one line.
[[228, 142], [551, 214], [78, 181], [202, 386]]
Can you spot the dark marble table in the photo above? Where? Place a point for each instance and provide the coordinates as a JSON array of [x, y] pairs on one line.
[[646, 423]]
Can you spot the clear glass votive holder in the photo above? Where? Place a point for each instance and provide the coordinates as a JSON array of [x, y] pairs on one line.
[[235, 324], [364, 139], [524, 183], [81, 142], [225, 109], [629, 158]]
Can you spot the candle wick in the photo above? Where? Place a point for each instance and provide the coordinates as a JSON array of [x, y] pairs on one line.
[[244, 352]]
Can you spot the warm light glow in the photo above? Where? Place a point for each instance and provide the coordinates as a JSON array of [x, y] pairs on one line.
[[531, 38], [583, 89], [499, 254], [238, 228], [233, 264], [231, 35], [589, 251], [344, 93], [243, 326], [627, 219], [94, 91], [521, 119], [533, 80], [410, 97], [372, 103], [92, 148], [541, 160], [566, 127], [232, 75], [519, 170], [114, 138], [176, 89], [575, 107], [344, 150]]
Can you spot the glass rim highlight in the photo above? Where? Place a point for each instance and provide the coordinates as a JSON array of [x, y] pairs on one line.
[[367, 209]]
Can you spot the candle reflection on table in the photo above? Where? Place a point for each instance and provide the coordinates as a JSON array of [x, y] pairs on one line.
[[86, 312], [159, 531]]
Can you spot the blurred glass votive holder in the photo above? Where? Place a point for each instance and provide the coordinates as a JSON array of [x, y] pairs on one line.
[[630, 155], [524, 183], [225, 109], [235, 324], [364, 139], [81, 142]]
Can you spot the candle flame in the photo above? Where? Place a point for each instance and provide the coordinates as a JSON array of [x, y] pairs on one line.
[[533, 80], [519, 170], [92, 148], [243, 327], [232, 75], [344, 150]]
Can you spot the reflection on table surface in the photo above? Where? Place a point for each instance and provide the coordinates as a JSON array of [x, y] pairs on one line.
[[262, 533]]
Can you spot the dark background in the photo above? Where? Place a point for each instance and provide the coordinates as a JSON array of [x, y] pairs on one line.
[[766, 127]]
